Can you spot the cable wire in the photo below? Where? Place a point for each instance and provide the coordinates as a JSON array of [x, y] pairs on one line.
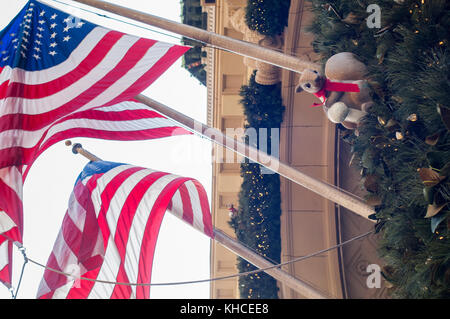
[[211, 279]]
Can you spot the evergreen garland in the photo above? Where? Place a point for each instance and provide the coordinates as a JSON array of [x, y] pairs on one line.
[[403, 145], [257, 222], [268, 17]]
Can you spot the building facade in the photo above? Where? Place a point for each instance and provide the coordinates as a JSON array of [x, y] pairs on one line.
[[308, 142]]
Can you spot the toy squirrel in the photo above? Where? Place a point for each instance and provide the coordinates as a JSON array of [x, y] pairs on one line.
[[344, 93]]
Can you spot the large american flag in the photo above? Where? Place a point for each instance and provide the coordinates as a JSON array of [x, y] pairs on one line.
[[60, 77], [110, 230]]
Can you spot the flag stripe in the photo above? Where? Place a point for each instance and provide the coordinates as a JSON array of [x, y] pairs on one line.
[[150, 236], [126, 220], [5, 266]]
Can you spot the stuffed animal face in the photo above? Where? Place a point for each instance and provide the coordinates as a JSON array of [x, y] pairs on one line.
[[310, 81]]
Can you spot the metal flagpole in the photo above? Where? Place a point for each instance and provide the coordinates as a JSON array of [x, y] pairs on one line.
[[321, 188], [236, 247], [244, 48]]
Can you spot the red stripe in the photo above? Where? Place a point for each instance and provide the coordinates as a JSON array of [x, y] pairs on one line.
[[206, 213], [121, 291], [91, 231], [151, 235], [85, 286], [188, 214], [12, 205], [38, 91], [53, 279], [6, 272], [119, 116], [106, 196], [71, 234], [126, 217]]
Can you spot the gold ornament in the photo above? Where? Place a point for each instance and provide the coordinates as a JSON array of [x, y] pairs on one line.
[[381, 120], [412, 117], [399, 136]]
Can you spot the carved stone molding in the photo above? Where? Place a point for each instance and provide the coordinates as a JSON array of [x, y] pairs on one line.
[[266, 74]]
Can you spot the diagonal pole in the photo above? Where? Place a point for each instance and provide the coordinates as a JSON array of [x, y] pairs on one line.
[[244, 48], [236, 247], [321, 188]]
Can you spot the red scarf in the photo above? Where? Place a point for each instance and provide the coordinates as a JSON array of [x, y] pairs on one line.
[[334, 86]]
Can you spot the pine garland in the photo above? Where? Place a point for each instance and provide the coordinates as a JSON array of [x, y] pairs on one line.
[[257, 222], [403, 146], [268, 17]]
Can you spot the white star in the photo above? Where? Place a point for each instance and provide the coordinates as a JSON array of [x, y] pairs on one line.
[[53, 25], [68, 19], [80, 24], [23, 54], [15, 40], [53, 17], [40, 29], [37, 49], [25, 40], [13, 34], [26, 26], [41, 21], [53, 35], [42, 13], [24, 46], [52, 53], [53, 44], [37, 57], [66, 29], [4, 52], [39, 35], [38, 42], [66, 39], [5, 58], [26, 33]]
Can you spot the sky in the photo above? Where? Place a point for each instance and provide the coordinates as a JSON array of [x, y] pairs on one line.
[[182, 253]]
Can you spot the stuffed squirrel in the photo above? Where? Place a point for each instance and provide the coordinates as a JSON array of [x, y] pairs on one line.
[[344, 93]]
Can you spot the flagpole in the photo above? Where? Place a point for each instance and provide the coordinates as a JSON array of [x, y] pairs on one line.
[[244, 48], [236, 247], [323, 189]]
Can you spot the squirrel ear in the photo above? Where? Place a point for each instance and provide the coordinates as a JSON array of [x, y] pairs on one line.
[[298, 88]]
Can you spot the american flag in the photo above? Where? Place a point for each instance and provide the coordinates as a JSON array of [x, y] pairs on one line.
[[110, 230], [58, 75]]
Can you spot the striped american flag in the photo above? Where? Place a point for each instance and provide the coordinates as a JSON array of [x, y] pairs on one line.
[[110, 230], [60, 77]]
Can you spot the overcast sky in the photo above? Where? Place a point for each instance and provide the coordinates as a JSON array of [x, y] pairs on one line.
[[182, 254]]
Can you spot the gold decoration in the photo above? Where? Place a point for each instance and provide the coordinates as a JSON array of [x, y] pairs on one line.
[[433, 210], [399, 136], [412, 117], [381, 120]]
